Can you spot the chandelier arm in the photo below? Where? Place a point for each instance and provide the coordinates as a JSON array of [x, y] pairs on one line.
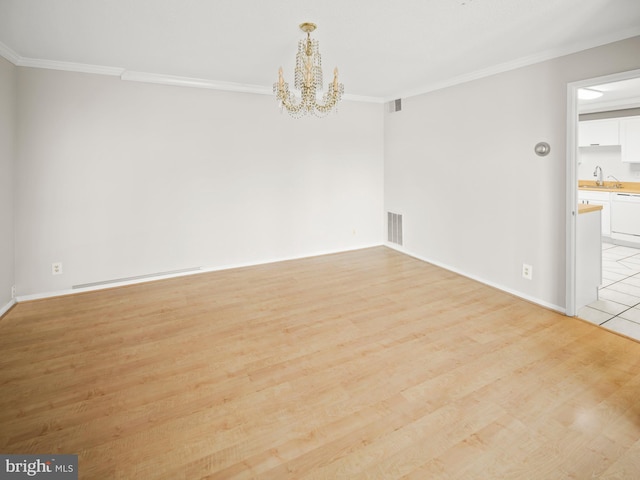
[[290, 105], [331, 98]]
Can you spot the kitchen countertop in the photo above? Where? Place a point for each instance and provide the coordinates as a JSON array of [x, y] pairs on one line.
[[627, 187], [588, 207]]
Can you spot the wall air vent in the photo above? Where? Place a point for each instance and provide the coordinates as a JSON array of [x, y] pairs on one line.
[[394, 228], [395, 105]]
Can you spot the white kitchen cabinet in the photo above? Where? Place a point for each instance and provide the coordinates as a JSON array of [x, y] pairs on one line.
[[599, 132], [599, 198], [588, 258], [630, 139]]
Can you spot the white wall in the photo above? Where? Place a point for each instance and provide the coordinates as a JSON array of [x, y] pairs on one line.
[[460, 166], [118, 179], [7, 158]]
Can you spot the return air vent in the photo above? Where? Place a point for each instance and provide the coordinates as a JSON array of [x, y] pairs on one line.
[[395, 105], [394, 228]]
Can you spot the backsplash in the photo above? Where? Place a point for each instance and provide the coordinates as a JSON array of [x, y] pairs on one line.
[[608, 158]]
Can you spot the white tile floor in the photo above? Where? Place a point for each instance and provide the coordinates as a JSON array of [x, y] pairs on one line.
[[618, 305]]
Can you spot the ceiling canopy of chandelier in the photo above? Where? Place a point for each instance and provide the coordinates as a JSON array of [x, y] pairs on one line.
[[308, 80]]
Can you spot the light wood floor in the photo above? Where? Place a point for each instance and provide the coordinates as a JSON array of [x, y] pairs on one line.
[[366, 364]]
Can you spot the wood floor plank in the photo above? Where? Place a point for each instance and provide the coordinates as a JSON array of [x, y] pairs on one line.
[[364, 364]]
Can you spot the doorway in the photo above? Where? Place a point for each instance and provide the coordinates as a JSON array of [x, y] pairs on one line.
[[619, 95]]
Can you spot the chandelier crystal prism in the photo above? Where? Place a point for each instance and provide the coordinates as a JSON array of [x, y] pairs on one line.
[[308, 80]]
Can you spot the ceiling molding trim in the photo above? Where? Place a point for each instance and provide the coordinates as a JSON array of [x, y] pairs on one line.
[[362, 98], [9, 54], [521, 62], [13, 57], [70, 66], [160, 79], [21, 61], [192, 82], [18, 60]]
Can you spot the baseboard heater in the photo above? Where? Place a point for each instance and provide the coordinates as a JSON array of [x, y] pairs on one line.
[[138, 277]]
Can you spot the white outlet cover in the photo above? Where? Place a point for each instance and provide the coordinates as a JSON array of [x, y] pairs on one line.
[[527, 271], [56, 268]]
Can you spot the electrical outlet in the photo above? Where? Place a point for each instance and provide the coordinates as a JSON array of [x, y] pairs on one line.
[[527, 271], [56, 268], [13, 292]]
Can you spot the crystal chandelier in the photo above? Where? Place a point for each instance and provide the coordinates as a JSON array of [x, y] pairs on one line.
[[308, 80]]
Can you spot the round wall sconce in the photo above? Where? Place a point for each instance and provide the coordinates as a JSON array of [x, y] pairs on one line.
[[542, 149]]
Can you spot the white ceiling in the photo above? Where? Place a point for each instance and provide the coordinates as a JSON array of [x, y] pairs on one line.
[[384, 49]]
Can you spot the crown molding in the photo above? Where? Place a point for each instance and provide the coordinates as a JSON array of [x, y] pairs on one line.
[[362, 98], [145, 77], [9, 54], [132, 76], [214, 85], [20, 61], [70, 66], [192, 82], [161, 79], [521, 62]]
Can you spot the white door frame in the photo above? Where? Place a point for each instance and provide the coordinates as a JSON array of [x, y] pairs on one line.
[[572, 177]]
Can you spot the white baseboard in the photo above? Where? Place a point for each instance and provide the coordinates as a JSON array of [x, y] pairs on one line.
[[7, 307], [516, 293], [624, 240], [153, 278], [58, 293]]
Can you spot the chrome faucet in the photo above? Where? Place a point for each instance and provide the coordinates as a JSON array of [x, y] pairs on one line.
[[618, 183], [598, 174]]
